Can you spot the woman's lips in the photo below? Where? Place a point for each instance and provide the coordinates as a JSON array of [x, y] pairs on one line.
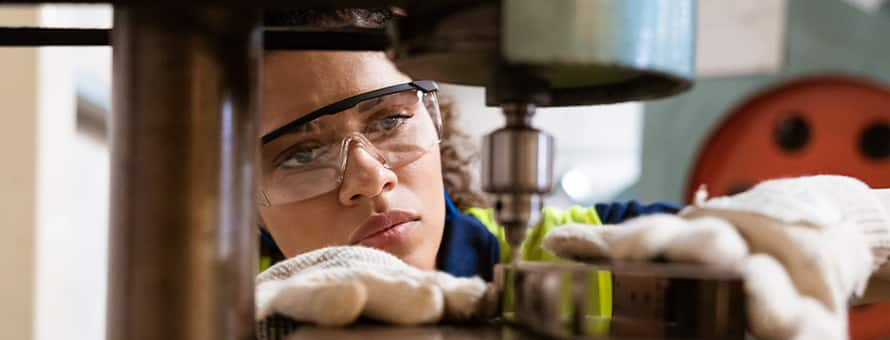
[[389, 238], [385, 229]]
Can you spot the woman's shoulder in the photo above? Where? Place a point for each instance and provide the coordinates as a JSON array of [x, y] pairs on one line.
[[600, 213], [617, 212]]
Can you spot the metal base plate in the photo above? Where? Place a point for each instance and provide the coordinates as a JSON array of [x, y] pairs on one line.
[[651, 300]]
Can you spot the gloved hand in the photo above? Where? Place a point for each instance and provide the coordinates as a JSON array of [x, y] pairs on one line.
[[804, 246], [334, 286]]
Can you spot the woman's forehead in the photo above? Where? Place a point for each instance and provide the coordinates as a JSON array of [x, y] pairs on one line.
[[296, 83]]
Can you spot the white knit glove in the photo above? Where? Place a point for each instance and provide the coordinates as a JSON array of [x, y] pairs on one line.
[[334, 286], [804, 246]]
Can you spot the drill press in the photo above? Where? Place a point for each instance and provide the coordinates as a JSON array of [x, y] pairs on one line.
[[530, 54]]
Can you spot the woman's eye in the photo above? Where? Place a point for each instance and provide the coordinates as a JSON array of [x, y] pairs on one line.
[[388, 123], [301, 157]]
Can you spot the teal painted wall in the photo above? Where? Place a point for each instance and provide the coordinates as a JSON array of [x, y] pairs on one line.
[[823, 36]]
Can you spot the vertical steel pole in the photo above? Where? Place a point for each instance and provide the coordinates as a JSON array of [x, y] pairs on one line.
[[183, 141]]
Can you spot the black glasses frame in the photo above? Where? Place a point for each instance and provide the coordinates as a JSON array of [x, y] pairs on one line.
[[426, 86]]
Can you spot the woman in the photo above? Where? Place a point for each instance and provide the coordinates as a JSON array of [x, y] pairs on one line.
[[356, 153], [297, 83]]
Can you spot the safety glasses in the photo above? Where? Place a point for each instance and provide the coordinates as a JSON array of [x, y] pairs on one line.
[[396, 125]]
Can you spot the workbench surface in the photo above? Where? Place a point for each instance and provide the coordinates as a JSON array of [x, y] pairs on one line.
[[436, 332]]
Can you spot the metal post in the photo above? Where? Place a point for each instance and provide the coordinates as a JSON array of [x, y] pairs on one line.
[[183, 141]]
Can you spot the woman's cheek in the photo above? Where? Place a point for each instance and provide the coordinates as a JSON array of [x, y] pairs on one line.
[[306, 226]]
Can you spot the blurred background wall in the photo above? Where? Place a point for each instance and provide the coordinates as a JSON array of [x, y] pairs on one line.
[[18, 145], [54, 183], [820, 37]]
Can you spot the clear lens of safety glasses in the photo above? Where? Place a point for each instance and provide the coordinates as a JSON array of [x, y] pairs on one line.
[[310, 159]]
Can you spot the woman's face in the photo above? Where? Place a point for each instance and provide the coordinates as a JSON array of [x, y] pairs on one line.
[[371, 197]]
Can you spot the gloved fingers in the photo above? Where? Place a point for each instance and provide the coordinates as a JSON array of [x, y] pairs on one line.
[[817, 322], [775, 309], [852, 265], [264, 296], [707, 240], [830, 266], [466, 298], [579, 241], [330, 303], [401, 299], [646, 237], [822, 264]]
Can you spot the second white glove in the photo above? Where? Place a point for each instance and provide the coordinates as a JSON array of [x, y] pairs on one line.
[[820, 238]]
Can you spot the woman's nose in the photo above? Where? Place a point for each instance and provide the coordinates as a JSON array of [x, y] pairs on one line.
[[365, 176]]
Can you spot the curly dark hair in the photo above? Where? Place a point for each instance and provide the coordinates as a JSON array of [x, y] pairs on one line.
[[458, 155], [329, 18], [458, 152]]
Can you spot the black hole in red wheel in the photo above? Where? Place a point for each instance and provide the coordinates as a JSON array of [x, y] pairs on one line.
[[792, 134], [874, 143]]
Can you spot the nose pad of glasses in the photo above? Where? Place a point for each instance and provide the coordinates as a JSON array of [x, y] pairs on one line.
[[365, 145]]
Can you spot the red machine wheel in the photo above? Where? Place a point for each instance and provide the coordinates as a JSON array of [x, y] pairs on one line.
[[813, 125]]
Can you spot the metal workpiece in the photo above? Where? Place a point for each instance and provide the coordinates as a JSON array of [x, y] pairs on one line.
[[556, 53], [648, 300], [183, 152]]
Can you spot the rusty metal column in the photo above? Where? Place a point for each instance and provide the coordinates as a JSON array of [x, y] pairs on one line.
[[183, 141]]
